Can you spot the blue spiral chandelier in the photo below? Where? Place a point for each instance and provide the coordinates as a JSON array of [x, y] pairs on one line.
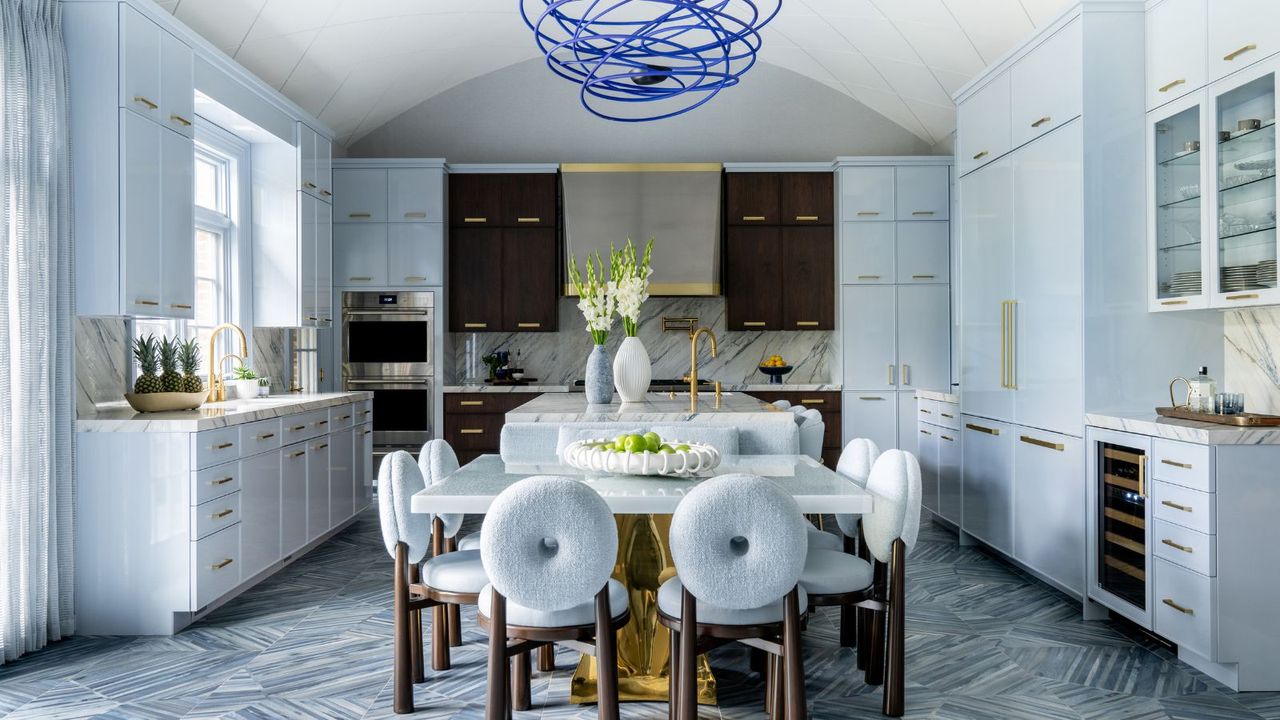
[[638, 60]]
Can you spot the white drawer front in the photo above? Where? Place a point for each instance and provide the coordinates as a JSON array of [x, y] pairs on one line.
[[1188, 548], [208, 518], [215, 481], [363, 411], [1183, 464], [260, 437], [1183, 506], [341, 417], [215, 566], [1184, 607], [215, 446], [927, 410], [949, 415], [304, 425]]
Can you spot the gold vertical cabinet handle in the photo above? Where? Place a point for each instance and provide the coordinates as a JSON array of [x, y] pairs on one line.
[[415, 214], [1179, 608], [806, 323], [1173, 302], [982, 429], [806, 218], [888, 376], [223, 446], [528, 219], [1175, 463], [868, 213], [1177, 546], [529, 325], [922, 212], [472, 431], [300, 453], [145, 302], [869, 397], [812, 401], [179, 306], [266, 436], [1004, 339], [311, 186], [471, 403], [360, 215], [144, 101], [1040, 122], [905, 373], [1245, 296], [475, 325], [752, 323], [221, 481], [220, 565], [1043, 443], [360, 278], [868, 277], [415, 278], [220, 515], [981, 155], [475, 219], [1239, 51], [185, 122], [1175, 506], [1169, 86]]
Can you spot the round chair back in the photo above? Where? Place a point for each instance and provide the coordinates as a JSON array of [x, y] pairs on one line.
[[895, 515], [797, 409], [437, 461], [812, 432], [398, 479], [782, 404], [738, 542], [855, 463], [549, 543]]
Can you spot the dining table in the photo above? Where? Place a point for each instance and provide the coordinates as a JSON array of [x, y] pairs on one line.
[[642, 506]]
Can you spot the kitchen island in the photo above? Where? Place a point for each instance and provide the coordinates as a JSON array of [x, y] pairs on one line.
[[656, 407]]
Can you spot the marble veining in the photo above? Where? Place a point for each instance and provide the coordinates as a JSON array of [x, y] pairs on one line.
[[560, 358], [500, 389], [938, 395], [1185, 430], [729, 387], [102, 361], [1252, 362], [119, 417], [657, 407], [271, 359]]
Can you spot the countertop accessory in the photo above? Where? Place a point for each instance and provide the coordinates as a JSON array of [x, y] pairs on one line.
[[585, 455], [512, 381], [1248, 124], [164, 401], [1239, 420], [1224, 135], [1191, 146], [775, 373], [1173, 401]]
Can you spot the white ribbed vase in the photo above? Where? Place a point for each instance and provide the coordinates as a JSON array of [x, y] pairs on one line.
[[632, 370]]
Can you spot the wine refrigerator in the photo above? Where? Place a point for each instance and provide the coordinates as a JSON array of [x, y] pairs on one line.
[[1119, 523]]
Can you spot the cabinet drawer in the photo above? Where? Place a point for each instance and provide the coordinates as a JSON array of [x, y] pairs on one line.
[[214, 481], [215, 566], [215, 446], [927, 411], [948, 415], [1188, 548], [1184, 607], [341, 417], [208, 518], [474, 432], [1183, 506], [304, 425], [482, 403], [1182, 463], [259, 437], [363, 411]]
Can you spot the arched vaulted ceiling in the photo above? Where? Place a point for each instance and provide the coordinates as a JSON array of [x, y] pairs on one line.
[[356, 64]]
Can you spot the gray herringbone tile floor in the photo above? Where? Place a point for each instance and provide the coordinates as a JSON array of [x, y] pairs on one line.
[[984, 641]]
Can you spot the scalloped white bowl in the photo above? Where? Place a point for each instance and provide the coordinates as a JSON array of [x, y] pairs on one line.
[[700, 457]]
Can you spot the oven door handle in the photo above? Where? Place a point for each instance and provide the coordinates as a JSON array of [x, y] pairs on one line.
[[389, 381], [391, 313]]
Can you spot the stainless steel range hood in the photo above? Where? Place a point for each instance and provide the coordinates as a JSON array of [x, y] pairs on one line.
[[678, 204]]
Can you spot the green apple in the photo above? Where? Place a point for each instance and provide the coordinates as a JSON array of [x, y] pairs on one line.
[[620, 443], [653, 440], [682, 448], [666, 449], [636, 444]]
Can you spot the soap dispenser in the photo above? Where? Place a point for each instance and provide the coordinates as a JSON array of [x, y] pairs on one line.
[[1200, 393]]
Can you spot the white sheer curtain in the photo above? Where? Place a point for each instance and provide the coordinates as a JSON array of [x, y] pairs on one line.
[[36, 454]]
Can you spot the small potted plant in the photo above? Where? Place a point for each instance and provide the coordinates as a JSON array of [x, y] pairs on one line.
[[264, 387], [245, 384]]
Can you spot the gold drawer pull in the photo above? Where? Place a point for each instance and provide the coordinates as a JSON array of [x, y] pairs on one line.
[[475, 220], [752, 218], [806, 218], [926, 412], [223, 446], [312, 186], [923, 277], [1246, 296], [528, 219], [326, 193], [297, 428], [1176, 546], [145, 302], [806, 323], [1239, 51], [415, 278], [529, 325], [143, 101], [321, 446], [1175, 463], [472, 431], [813, 401], [981, 429], [869, 397], [1041, 443], [415, 214], [1173, 302], [185, 122], [312, 317], [948, 438], [1179, 608], [224, 563], [925, 432], [868, 213], [179, 306], [753, 323], [360, 215], [318, 423], [360, 278], [1169, 86], [344, 417], [365, 413], [922, 212], [220, 515], [367, 432], [1176, 506], [476, 326], [300, 453], [266, 436], [221, 481], [948, 416], [1040, 122], [868, 277], [981, 155]]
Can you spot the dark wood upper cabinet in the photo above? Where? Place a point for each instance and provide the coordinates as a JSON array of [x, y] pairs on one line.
[[528, 200], [475, 200], [809, 278], [752, 198], [530, 272], [808, 198], [475, 279], [753, 278]]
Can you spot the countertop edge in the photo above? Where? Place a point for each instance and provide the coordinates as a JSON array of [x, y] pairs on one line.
[[938, 395], [122, 418], [1185, 430], [730, 387]]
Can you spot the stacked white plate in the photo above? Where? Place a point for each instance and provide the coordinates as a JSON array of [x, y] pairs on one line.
[[1184, 283], [1239, 277], [1267, 273]]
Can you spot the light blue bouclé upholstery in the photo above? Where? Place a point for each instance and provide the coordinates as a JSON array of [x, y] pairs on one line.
[[581, 614], [782, 404], [549, 543], [829, 572], [573, 432], [821, 540], [528, 442], [721, 437], [459, 572], [895, 514], [470, 542], [769, 439], [812, 432], [670, 595], [855, 464], [398, 479], [738, 542], [438, 461]]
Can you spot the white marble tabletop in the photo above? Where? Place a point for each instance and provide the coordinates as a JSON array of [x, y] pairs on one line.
[[119, 417], [1185, 430], [656, 407], [816, 488]]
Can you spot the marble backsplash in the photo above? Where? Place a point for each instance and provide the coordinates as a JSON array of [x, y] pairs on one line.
[[1252, 362], [559, 358]]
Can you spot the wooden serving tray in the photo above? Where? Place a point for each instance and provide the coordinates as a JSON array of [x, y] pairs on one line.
[[1240, 420]]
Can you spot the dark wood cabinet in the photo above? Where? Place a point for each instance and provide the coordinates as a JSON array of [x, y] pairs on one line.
[[808, 278], [827, 403], [528, 200], [753, 278], [752, 198], [475, 200], [473, 421], [530, 266], [808, 198], [475, 279]]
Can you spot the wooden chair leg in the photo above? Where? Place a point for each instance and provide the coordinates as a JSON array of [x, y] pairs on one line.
[[758, 660], [874, 673], [688, 699], [775, 694], [415, 634], [440, 638], [895, 654], [547, 658], [848, 626], [521, 670], [606, 659], [454, 614], [402, 675], [864, 618], [793, 658], [497, 699], [673, 676]]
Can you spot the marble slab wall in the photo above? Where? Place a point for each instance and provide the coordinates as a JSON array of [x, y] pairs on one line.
[[559, 358], [271, 354], [102, 361], [1252, 362]]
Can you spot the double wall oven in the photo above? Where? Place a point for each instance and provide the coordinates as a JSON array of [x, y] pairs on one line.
[[387, 348]]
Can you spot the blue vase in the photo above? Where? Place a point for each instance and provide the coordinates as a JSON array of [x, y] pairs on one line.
[[599, 380]]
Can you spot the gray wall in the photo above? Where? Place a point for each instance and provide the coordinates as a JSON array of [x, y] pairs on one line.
[[523, 113]]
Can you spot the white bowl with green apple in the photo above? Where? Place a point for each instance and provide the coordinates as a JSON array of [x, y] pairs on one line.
[[636, 454]]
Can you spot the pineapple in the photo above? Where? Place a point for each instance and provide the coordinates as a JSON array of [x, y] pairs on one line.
[[189, 358], [144, 349], [169, 377]]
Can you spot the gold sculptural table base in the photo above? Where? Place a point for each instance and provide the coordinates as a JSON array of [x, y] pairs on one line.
[[644, 563]]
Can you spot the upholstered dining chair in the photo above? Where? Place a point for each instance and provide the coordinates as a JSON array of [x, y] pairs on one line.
[[855, 464], [444, 579], [836, 578], [437, 461], [781, 404], [549, 545], [738, 542]]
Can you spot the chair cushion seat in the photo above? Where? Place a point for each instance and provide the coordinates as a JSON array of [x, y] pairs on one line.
[[458, 572], [584, 614], [470, 542], [671, 594], [827, 572], [822, 540]]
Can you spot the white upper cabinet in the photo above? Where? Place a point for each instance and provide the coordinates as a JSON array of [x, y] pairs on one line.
[[324, 263], [360, 195], [869, 320], [983, 124], [415, 252], [360, 254], [923, 252], [178, 245], [866, 193], [415, 195], [177, 85], [1047, 85], [139, 63], [922, 192], [140, 180], [1241, 32], [867, 253], [323, 151], [924, 360], [315, 163], [1175, 49]]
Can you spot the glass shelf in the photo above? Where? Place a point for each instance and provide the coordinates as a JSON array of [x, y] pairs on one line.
[[1249, 142], [1247, 183], [1247, 233], [1191, 202], [1180, 246], [1186, 158]]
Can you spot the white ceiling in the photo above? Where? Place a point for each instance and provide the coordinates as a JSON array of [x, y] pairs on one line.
[[356, 64]]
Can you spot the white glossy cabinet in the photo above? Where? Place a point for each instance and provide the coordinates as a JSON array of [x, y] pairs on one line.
[[364, 468], [413, 250], [987, 285], [389, 223], [261, 505], [1049, 506], [950, 497], [927, 455], [983, 131], [987, 501], [922, 192], [1241, 32], [177, 80], [361, 195], [360, 254], [415, 195], [177, 226], [869, 323], [908, 433], [293, 493], [872, 415], [1045, 86], [315, 159], [342, 476], [1176, 48], [319, 456], [140, 64], [923, 252], [867, 253], [324, 264], [140, 179], [923, 330], [866, 193]]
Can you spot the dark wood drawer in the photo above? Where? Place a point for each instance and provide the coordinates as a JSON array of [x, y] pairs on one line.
[[473, 432], [482, 403]]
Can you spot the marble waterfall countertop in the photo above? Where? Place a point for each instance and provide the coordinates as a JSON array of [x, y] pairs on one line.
[[507, 388], [119, 417], [938, 395], [657, 407], [1185, 430], [732, 387]]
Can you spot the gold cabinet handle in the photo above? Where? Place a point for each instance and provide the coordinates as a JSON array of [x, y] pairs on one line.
[[1043, 443], [1176, 506], [1177, 546], [1179, 608], [888, 375], [813, 401], [318, 423], [905, 373], [297, 454], [528, 219], [1173, 302], [1169, 86], [366, 413], [948, 438], [360, 215], [529, 325], [806, 218], [367, 432], [297, 428], [923, 277], [868, 277], [344, 417], [752, 218], [981, 155], [223, 446], [312, 186], [360, 278], [224, 563], [1245, 296], [982, 429], [144, 101], [266, 436], [326, 193], [1239, 51], [321, 446], [312, 317], [178, 118], [1175, 463], [415, 278], [475, 219], [1004, 338], [868, 213], [752, 323], [145, 302], [179, 306], [475, 325], [415, 215], [220, 515], [471, 403], [1040, 122], [806, 323], [925, 432], [948, 416], [926, 412], [472, 431], [869, 397], [221, 481], [918, 213]]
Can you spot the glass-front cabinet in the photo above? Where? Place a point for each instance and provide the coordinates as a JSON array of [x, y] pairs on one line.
[[1177, 221]]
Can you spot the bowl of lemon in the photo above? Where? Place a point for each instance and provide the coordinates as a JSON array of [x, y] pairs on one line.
[[647, 454], [775, 367]]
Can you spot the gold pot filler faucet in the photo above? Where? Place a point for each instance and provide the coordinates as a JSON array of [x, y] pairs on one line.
[[694, 334], [217, 388]]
